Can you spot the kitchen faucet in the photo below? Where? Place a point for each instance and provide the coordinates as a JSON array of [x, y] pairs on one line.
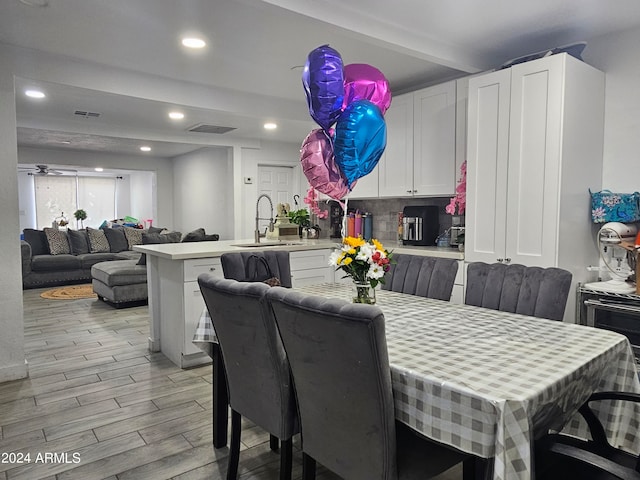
[[257, 230]]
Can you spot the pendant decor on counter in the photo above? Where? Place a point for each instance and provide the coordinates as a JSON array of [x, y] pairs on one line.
[[363, 292]]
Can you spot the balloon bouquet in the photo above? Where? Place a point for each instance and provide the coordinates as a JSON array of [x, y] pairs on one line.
[[354, 98]]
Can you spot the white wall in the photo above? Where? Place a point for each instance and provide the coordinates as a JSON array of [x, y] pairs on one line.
[[203, 186], [616, 55], [12, 359], [137, 200], [270, 153]]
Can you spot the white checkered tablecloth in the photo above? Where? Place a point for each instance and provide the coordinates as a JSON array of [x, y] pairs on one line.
[[488, 382]]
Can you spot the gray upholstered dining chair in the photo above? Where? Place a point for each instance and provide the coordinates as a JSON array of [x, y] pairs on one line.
[[430, 277], [534, 291], [236, 266], [341, 374], [258, 375]]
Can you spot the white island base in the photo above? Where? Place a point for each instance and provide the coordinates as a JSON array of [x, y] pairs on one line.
[[175, 301]]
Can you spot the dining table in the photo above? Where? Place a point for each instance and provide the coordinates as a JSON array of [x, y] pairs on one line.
[[484, 381]]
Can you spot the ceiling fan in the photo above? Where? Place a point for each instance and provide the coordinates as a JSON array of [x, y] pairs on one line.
[[44, 170]]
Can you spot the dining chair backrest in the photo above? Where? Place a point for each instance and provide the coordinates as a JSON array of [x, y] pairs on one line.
[[258, 374], [240, 266], [340, 366], [430, 277], [535, 291]]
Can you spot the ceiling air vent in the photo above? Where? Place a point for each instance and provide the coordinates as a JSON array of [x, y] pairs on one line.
[[82, 113], [204, 128]]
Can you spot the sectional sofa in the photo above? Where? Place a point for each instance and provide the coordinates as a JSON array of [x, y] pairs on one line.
[[53, 257]]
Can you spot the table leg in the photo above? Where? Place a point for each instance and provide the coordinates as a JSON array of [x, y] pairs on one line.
[[220, 400]]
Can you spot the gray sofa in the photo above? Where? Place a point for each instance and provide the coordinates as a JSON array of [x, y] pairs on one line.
[[41, 268]]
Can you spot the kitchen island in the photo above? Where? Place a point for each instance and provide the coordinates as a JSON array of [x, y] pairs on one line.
[[175, 302]]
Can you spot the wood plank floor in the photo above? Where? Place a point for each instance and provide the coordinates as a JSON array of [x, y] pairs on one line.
[[99, 405]]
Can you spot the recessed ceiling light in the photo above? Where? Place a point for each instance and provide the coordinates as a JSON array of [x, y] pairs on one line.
[[193, 42], [176, 115], [145, 148], [270, 126], [34, 94], [65, 142], [98, 169]]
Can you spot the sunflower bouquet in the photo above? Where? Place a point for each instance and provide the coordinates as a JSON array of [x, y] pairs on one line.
[[365, 262]]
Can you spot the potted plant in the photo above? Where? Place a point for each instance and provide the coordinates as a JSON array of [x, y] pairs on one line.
[[301, 218], [80, 215]]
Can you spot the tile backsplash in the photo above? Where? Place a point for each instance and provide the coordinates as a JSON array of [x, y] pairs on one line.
[[385, 214]]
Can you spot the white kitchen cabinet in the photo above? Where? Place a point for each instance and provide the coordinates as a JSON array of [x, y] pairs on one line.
[[367, 186], [421, 143], [396, 165], [310, 266], [535, 141]]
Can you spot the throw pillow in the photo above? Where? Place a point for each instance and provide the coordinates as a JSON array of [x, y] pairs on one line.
[[155, 238], [79, 241], [134, 236], [117, 240], [153, 229], [212, 238], [97, 241], [38, 241], [195, 236], [58, 241]]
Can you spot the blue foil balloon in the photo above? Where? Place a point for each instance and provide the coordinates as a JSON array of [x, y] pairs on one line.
[[323, 82], [360, 140]]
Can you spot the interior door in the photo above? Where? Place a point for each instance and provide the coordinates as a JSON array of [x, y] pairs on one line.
[[277, 182]]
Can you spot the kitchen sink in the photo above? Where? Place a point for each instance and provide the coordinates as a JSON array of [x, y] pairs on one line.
[[265, 244]]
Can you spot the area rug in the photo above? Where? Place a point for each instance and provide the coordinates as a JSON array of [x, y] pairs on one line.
[[73, 292]]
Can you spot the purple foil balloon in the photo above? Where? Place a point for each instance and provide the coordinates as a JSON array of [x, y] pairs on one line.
[[362, 81], [323, 82], [318, 165]]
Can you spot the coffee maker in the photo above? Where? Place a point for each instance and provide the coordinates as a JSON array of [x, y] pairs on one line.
[[420, 225]]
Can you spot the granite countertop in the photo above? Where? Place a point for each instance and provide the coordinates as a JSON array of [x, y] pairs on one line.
[[183, 251]]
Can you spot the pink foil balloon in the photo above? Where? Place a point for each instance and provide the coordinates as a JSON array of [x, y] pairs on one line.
[[364, 82], [319, 166]]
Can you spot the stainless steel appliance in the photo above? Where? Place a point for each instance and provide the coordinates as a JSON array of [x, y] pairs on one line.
[[619, 312], [420, 225]]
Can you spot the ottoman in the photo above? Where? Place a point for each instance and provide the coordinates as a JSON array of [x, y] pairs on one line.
[[120, 282]]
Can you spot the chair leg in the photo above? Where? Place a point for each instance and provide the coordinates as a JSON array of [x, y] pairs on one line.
[[475, 468], [234, 446], [286, 459], [308, 467], [274, 443]]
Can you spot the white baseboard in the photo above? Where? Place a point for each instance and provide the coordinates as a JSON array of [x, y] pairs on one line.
[[14, 372]]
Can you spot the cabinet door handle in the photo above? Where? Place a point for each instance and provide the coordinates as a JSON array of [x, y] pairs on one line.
[[507, 260], [212, 269], [415, 191], [500, 260], [408, 191]]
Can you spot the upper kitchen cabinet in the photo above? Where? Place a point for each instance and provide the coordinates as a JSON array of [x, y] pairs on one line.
[[535, 140], [421, 144]]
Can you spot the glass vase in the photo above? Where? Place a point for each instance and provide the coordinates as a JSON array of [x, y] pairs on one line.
[[363, 292]]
